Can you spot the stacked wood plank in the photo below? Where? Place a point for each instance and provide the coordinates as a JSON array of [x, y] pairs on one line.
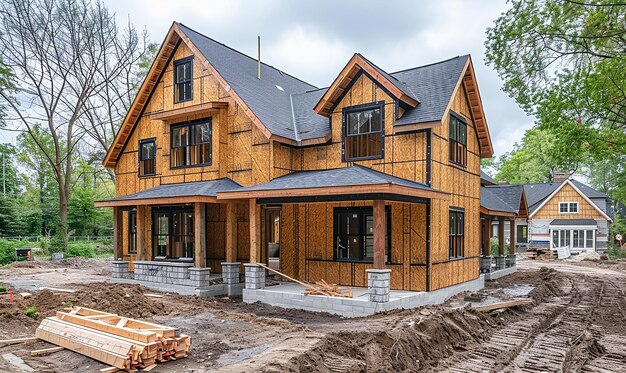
[[121, 342], [323, 288], [542, 253]]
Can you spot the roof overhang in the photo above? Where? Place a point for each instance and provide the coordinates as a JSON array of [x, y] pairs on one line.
[[154, 201], [503, 214], [206, 108], [356, 64]]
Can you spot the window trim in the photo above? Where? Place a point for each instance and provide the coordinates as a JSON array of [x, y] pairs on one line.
[[450, 141], [175, 84], [360, 210], [568, 204], [456, 210], [141, 142], [169, 210], [191, 124], [344, 129]]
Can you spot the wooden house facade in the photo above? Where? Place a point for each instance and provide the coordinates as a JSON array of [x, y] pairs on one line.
[[223, 159]]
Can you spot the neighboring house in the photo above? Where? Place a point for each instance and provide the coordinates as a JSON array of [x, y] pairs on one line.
[[222, 158], [564, 212]]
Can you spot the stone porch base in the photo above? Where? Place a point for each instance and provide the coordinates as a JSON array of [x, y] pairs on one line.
[[290, 295], [233, 290]]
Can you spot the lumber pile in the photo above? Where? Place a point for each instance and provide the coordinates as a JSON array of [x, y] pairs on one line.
[[507, 304], [545, 253], [124, 343], [323, 288]]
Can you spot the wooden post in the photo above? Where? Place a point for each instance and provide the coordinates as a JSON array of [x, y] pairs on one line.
[[380, 230], [512, 238], [255, 230], [501, 236], [231, 233], [118, 248], [142, 232], [199, 242]]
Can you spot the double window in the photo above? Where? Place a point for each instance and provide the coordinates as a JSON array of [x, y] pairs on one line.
[[458, 140], [147, 157], [363, 132], [354, 234], [191, 144], [132, 232], [457, 233], [568, 207], [173, 234], [575, 238], [183, 79]]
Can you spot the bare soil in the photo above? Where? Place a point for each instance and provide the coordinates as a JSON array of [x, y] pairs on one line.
[[576, 323]]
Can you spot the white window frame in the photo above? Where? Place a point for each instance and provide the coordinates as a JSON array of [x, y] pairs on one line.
[[569, 231], [568, 208]]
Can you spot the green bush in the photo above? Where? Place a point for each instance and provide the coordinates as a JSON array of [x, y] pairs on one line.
[[80, 248], [494, 245], [7, 251], [56, 244], [3, 288], [32, 312], [617, 253]]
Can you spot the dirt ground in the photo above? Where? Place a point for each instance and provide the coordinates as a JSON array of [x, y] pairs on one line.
[[576, 323]]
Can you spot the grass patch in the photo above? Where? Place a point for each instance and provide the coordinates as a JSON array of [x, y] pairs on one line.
[[68, 304], [617, 253], [31, 312], [3, 288]]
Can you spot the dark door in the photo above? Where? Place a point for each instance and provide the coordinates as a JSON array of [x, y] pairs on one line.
[[348, 237]]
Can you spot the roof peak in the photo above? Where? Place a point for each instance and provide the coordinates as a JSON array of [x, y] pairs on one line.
[[430, 64]]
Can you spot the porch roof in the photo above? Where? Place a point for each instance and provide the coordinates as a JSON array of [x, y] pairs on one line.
[[574, 222], [340, 184], [197, 191]]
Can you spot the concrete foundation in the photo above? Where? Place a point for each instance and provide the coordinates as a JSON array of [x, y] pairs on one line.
[[200, 277], [172, 273], [500, 262], [378, 285], [512, 260], [230, 273], [499, 273], [485, 264], [255, 276], [290, 295]]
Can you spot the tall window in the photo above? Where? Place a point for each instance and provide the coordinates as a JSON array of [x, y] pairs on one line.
[[458, 140], [173, 234], [191, 144], [354, 234], [568, 207], [147, 157], [132, 232], [457, 233], [183, 79], [363, 132], [522, 234]]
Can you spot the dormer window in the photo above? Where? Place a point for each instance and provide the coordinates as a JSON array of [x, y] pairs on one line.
[[183, 79], [568, 207], [363, 129], [458, 140]]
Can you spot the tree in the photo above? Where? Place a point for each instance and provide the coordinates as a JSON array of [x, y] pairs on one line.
[[565, 62], [65, 55], [5, 85], [11, 222]]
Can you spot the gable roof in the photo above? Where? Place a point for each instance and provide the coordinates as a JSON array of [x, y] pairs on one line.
[[486, 178], [538, 192], [539, 205], [504, 198], [283, 107]]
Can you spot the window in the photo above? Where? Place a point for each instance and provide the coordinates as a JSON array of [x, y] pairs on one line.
[[579, 238], [132, 232], [173, 234], [354, 234], [147, 157], [568, 207], [191, 144], [363, 132], [457, 232], [522, 234], [458, 140], [183, 79]]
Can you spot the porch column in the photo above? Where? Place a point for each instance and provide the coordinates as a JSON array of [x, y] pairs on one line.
[[500, 259], [199, 242], [255, 231], [118, 249], [142, 232], [230, 268], [485, 259], [380, 228], [512, 256]]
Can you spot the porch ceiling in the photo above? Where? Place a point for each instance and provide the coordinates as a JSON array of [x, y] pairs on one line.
[[341, 184], [198, 191]]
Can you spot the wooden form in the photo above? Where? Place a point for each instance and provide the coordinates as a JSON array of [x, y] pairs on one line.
[[507, 304], [118, 341]]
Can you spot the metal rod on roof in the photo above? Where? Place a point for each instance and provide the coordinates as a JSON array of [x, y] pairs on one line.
[[259, 57]]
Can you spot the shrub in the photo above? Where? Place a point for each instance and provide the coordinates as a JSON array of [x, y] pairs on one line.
[[83, 249], [3, 288], [68, 304], [7, 251], [494, 247], [617, 253], [56, 244], [32, 312]]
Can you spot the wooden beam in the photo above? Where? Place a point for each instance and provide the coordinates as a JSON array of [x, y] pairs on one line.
[[486, 236], [199, 243], [231, 233], [512, 238], [501, 236], [189, 110], [46, 351], [380, 230], [118, 249], [155, 201], [255, 230], [6, 342], [142, 232]]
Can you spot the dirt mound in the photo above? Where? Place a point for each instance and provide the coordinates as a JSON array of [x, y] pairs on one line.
[[124, 300], [408, 345], [548, 286], [591, 255]]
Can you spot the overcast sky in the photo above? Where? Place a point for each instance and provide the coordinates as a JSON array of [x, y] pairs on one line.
[[313, 40]]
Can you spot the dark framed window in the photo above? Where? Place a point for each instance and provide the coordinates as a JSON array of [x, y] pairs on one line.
[[354, 234], [457, 233], [173, 234], [363, 132], [183, 79], [191, 144], [132, 232], [458, 140], [522, 234], [147, 157]]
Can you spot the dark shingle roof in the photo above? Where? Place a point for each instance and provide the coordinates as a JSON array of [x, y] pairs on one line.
[[511, 195], [487, 178], [490, 200], [537, 193], [190, 189], [393, 80], [434, 85], [346, 176], [573, 222]]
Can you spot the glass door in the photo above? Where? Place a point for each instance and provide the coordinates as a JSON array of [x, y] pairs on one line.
[[161, 235], [173, 234], [348, 238]]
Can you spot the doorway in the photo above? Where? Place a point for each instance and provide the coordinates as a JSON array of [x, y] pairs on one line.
[[271, 242]]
